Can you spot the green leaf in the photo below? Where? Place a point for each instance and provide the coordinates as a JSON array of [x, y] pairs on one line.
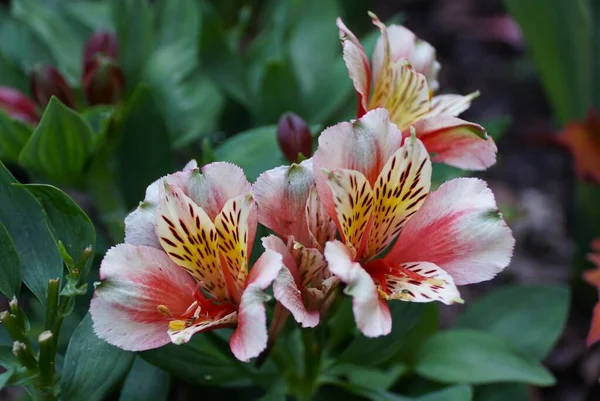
[[496, 127], [365, 351], [96, 15], [10, 273], [133, 22], [502, 392], [539, 311], [5, 377], [92, 368], [68, 223], [11, 73], [144, 154], [64, 40], [559, 36], [145, 382], [255, 150], [21, 49], [190, 102], [454, 393], [24, 220], [59, 145], [14, 134], [468, 356], [222, 64], [370, 377], [279, 93], [178, 21], [99, 118], [199, 362], [314, 40]]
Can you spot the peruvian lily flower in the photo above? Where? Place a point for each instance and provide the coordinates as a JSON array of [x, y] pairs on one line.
[[592, 277], [289, 205], [184, 266], [377, 191], [403, 74]]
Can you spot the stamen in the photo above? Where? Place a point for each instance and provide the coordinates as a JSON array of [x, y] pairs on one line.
[[177, 325], [164, 310]]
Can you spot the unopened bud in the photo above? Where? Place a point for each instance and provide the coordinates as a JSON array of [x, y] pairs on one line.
[[47, 81], [103, 82], [294, 137], [100, 44], [18, 106]]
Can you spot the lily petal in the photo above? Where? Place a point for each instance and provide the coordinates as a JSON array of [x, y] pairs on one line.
[[281, 195], [404, 44], [451, 105], [321, 227], [250, 337], [183, 336], [371, 313], [233, 229], [353, 201], [594, 334], [139, 224], [457, 142], [190, 239], [358, 65], [399, 192], [459, 229], [429, 284], [135, 281], [364, 145]]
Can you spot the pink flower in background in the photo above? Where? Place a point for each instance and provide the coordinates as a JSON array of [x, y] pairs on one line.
[[376, 185], [592, 277], [18, 106], [403, 74], [289, 205], [184, 266]]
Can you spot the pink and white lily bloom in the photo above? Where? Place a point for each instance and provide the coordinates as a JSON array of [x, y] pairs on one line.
[[403, 76], [375, 185], [183, 268], [289, 205]]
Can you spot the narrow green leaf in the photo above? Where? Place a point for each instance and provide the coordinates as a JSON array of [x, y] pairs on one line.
[[21, 48], [5, 377], [24, 220], [279, 93], [59, 145], [133, 22], [10, 273], [145, 382], [468, 356], [454, 393], [14, 135], [177, 20], [540, 312], [96, 15], [502, 392], [559, 37], [199, 362], [142, 128], [67, 222], [92, 368], [64, 40]]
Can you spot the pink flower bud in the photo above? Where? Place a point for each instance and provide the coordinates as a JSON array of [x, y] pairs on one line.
[[294, 137], [103, 82], [47, 81], [101, 43], [18, 106]]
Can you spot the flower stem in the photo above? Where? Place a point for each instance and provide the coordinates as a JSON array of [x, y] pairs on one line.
[[312, 364]]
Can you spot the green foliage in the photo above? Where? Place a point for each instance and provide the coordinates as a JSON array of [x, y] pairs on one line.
[[14, 135], [469, 356], [59, 146], [10, 274], [92, 368], [145, 382]]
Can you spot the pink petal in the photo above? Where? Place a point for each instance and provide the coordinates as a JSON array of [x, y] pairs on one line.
[[135, 281], [139, 224], [371, 313], [435, 285], [321, 227], [451, 105], [185, 335], [456, 142], [364, 145], [286, 291], [250, 337], [215, 184], [404, 44], [459, 229], [594, 334], [358, 65], [275, 244], [281, 195]]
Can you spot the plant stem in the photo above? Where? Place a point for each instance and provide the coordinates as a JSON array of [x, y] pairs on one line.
[[46, 359], [312, 364], [52, 303]]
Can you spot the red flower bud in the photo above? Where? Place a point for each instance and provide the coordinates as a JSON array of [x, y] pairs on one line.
[[103, 82], [101, 43], [294, 137], [47, 81], [18, 106]]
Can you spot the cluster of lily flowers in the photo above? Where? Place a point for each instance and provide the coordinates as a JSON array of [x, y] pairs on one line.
[[358, 215]]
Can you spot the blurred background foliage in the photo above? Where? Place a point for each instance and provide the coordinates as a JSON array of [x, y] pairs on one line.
[[210, 80]]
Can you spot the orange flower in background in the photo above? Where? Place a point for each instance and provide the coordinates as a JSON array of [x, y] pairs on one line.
[[592, 277], [582, 139]]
